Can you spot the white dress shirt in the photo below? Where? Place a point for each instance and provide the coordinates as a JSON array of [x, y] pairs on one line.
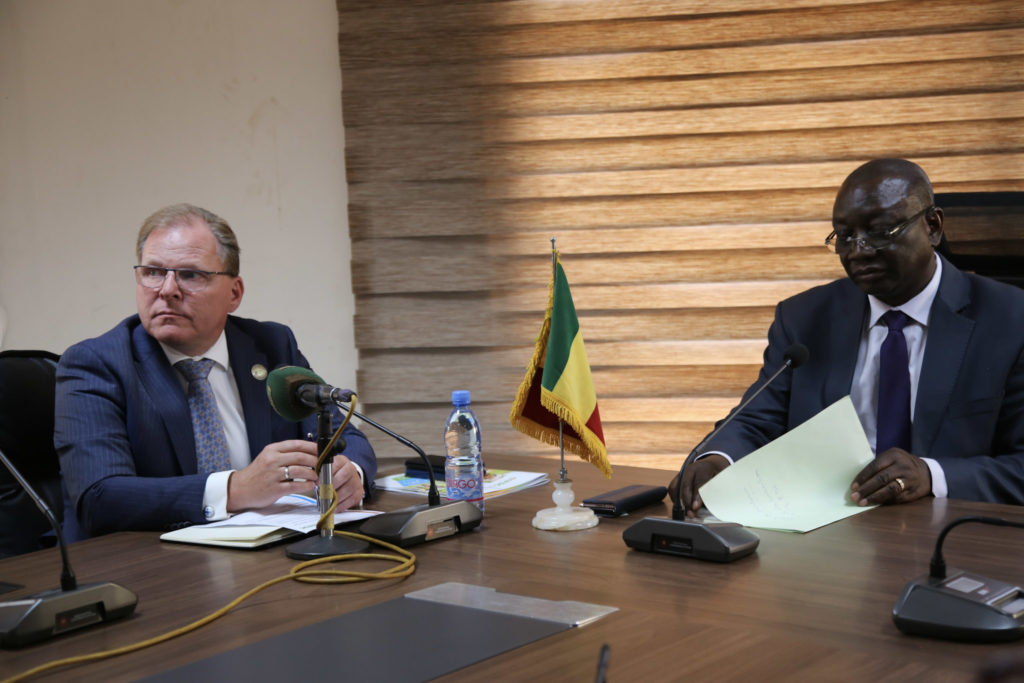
[[864, 391], [229, 405]]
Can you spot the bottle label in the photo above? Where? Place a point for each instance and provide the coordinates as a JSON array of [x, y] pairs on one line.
[[463, 488]]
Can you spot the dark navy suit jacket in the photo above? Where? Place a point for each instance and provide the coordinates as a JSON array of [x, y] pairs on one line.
[[123, 429], [969, 414]]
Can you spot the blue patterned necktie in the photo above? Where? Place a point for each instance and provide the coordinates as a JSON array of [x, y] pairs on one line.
[[894, 386], [211, 444]]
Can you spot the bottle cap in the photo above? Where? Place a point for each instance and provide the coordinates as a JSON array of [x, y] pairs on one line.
[[460, 397]]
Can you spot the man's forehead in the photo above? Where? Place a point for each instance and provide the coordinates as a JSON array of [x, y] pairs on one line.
[[881, 194]]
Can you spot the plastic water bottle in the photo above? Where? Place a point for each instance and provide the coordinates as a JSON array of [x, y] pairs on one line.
[[463, 465]]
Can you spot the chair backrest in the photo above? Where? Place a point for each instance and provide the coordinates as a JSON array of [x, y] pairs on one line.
[[984, 233], [27, 384]]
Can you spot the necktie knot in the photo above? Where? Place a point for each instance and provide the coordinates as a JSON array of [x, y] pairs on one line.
[[895, 320], [194, 369]]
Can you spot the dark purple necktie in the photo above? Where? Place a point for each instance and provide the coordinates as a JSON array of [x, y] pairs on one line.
[[894, 386]]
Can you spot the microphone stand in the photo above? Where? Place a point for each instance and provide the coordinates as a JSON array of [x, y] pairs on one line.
[[50, 613], [703, 540], [325, 543], [419, 523]]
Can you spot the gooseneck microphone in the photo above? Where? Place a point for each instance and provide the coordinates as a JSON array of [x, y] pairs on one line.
[[794, 356], [293, 389], [705, 540], [51, 613], [957, 605], [420, 523]]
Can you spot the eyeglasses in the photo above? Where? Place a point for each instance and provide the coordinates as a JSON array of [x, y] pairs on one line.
[[188, 279], [875, 239]]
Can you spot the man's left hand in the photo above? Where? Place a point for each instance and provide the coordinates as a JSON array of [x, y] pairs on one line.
[[895, 476], [347, 482]]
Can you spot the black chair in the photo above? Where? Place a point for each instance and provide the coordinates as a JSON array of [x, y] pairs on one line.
[[984, 233], [27, 383]]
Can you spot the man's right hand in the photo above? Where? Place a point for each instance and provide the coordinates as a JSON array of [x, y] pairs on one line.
[[698, 473], [263, 481]]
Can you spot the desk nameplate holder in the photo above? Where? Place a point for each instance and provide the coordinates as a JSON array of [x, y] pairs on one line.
[[481, 620]]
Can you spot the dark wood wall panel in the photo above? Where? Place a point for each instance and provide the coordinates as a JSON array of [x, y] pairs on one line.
[[685, 155]]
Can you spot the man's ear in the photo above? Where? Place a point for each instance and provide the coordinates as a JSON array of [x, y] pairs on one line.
[[237, 290], [934, 222]]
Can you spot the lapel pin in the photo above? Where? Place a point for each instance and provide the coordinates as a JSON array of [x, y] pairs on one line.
[[259, 372]]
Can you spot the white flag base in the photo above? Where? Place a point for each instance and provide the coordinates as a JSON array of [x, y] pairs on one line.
[[564, 517]]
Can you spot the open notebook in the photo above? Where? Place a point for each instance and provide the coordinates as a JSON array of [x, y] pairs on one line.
[[290, 516]]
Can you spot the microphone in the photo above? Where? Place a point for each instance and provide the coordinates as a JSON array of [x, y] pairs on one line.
[[292, 389], [958, 605], [704, 540], [420, 523], [54, 612], [296, 392]]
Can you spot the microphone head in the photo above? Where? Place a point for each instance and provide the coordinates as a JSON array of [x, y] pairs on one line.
[[282, 384], [796, 355]]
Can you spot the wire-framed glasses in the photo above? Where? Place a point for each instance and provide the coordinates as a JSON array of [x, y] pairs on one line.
[[188, 279], [874, 239]]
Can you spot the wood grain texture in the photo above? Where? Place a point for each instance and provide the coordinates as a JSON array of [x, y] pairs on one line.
[[805, 607], [685, 156]]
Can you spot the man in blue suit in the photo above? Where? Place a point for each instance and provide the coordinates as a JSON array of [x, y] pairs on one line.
[[964, 346], [124, 427]]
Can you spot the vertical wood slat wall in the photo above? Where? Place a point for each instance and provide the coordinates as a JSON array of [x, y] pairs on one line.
[[684, 154]]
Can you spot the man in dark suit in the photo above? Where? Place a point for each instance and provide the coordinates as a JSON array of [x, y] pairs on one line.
[[962, 349], [145, 445]]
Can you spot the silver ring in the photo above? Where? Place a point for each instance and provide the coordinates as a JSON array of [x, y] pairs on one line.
[[903, 487], [287, 477]]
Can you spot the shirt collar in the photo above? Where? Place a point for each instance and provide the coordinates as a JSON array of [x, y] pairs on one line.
[[218, 353], [918, 308]]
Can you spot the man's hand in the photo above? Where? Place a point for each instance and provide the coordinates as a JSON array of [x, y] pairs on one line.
[[266, 479], [895, 476], [347, 482], [698, 473]]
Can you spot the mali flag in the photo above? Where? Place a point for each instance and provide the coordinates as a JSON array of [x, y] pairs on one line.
[[563, 389]]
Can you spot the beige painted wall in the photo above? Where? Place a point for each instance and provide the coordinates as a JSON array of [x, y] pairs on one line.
[[110, 109]]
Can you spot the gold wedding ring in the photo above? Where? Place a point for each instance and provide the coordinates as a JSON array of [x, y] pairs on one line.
[[903, 487]]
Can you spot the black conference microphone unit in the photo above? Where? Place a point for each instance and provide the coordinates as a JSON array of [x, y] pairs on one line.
[[959, 605], [51, 613], [704, 540], [286, 387]]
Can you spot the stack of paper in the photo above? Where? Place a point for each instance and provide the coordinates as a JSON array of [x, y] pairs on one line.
[[496, 483]]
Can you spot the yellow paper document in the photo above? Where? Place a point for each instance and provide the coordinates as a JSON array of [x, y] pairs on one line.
[[800, 481]]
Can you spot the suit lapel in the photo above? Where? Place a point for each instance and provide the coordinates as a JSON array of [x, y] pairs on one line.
[[845, 326], [164, 390], [948, 335], [245, 356]]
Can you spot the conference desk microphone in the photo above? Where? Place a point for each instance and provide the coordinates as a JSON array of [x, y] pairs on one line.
[[959, 605], [295, 392], [54, 612], [704, 539], [424, 522]]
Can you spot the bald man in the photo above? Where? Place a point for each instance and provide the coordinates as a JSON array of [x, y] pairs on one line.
[[962, 342]]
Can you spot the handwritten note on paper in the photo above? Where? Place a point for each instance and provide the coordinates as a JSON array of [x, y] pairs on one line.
[[800, 481]]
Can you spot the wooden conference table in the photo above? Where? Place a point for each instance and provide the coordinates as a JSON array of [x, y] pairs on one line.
[[814, 606]]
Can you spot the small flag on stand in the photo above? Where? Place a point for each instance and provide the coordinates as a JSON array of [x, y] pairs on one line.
[[558, 383]]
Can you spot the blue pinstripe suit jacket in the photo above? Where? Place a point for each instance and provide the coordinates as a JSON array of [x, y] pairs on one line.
[[123, 430]]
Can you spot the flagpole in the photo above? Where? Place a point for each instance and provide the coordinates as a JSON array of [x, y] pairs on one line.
[[562, 517], [563, 474]]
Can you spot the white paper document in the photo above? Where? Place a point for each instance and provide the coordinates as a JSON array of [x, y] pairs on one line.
[[291, 515], [800, 481]]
